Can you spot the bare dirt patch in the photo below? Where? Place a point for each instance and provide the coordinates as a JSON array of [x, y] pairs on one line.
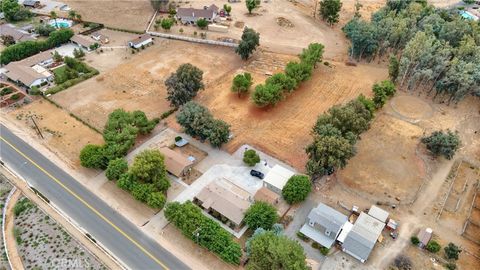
[[284, 131], [383, 169], [63, 133], [124, 14], [138, 83], [411, 107]]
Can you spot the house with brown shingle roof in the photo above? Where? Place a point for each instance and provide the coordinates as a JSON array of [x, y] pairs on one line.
[[31, 71], [18, 35], [192, 15], [142, 40], [83, 42], [176, 163]]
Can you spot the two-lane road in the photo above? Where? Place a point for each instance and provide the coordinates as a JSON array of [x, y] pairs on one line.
[[121, 237]]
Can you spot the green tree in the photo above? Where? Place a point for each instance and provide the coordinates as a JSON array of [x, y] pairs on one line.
[[328, 153], [116, 168], [267, 94], [442, 143], [414, 240], [393, 67], [329, 10], [148, 167], [156, 200], [363, 37], [285, 82], [299, 71], [78, 53], [54, 16], [126, 182], [368, 103], [218, 132], [312, 54], [195, 119], [433, 246], [269, 251], [452, 251], [242, 83], [57, 57], [261, 215], [166, 23], [250, 157], [44, 29], [72, 14], [227, 9], [183, 85], [202, 23], [92, 156], [160, 5], [248, 44], [382, 91], [297, 189], [251, 5], [469, 2], [13, 11]]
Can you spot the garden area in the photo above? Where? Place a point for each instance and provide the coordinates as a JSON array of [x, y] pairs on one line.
[[73, 72], [43, 244], [8, 95]]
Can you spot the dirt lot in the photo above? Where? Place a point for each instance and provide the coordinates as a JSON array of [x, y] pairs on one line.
[[138, 83], [284, 131], [124, 14], [62, 132]]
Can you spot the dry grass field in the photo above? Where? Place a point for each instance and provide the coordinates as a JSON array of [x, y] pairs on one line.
[[138, 83]]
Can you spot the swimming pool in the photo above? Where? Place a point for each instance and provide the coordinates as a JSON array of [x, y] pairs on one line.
[[60, 23], [467, 15]]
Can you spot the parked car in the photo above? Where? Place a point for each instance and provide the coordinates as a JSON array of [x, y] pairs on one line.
[[257, 174]]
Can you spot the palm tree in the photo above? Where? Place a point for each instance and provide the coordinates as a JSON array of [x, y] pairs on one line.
[[72, 14], [79, 17], [54, 16]]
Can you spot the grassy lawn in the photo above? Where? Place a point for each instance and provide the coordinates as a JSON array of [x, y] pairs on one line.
[[60, 71]]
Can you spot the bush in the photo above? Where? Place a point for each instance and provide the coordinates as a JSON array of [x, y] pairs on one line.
[[302, 236], [21, 206], [267, 94], [6, 91], [116, 167], [15, 96], [92, 156], [261, 215], [285, 82], [189, 219], [451, 266], [414, 240], [156, 200], [297, 189], [383, 91], [368, 103], [241, 83], [299, 71], [433, 246], [403, 262], [316, 245], [440, 143], [250, 157], [324, 251], [202, 23]]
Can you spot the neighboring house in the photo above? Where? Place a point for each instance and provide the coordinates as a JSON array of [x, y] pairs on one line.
[[424, 236], [100, 37], [31, 3], [266, 195], [361, 239], [176, 163], [83, 42], [378, 213], [18, 35], [276, 178], [225, 201], [192, 15], [140, 41], [31, 71], [324, 225]]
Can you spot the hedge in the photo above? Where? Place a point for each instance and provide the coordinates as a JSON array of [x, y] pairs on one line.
[[72, 82], [188, 218]]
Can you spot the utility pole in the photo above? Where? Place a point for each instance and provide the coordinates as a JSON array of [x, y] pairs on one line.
[[315, 9], [38, 130]]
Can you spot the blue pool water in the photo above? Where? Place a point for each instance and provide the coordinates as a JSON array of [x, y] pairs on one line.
[[60, 23], [467, 15]]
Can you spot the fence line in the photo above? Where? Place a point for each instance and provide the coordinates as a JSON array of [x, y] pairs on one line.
[[3, 224], [195, 40]]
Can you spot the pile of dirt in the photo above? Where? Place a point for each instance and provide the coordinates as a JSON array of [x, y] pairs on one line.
[[239, 24], [284, 22]]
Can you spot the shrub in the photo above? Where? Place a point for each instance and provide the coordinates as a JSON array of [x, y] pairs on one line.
[[452, 251], [316, 245], [267, 94], [451, 266], [442, 143], [382, 92], [403, 262], [241, 83], [202, 23], [92, 156], [297, 189], [433, 246], [261, 215], [250, 157], [156, 200], [15, 96], [368, 103], [324, 251], [299, 71], [302, 236], [21, 206], [6, 91], [189, 219], [116, 167], [414, 240], [285, 82]]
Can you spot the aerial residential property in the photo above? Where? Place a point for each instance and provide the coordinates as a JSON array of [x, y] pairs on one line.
[[228, 134]]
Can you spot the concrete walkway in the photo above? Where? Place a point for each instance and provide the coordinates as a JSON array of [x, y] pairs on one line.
[[10, 242]]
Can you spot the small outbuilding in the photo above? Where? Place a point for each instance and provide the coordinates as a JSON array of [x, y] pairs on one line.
[[176, 163], [424, 236], [31, 3], [378, 213], [142, 40], [83, 42], [276, 178]]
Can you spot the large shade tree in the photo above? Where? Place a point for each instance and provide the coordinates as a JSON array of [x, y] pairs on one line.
[[248, 44], [183, 85]]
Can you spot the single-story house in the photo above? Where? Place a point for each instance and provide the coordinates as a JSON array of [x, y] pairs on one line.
[[378, 213], [323, 225], [100, 37], [225, 201], [361, 239], [266, 195], [18, 35], [424, 236], [31, 3], [192, 15], [142, 40], [276, 178], [176, 163], [83, 42], [31, 71]]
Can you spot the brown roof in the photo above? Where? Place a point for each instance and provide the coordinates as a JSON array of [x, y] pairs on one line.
[[140, 39], [83, 40], [196, 12], [266, 195], [220, 195], [175, 162], [18, 35], [22, 70]]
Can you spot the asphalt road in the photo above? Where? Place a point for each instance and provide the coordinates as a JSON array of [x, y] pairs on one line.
[[117, 234]]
